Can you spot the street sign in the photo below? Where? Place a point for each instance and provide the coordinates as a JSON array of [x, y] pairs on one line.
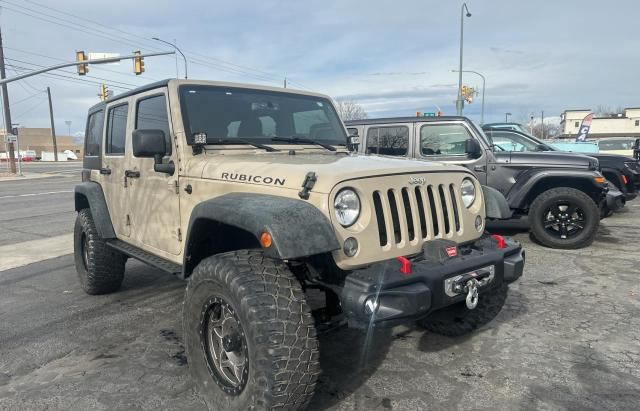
[[11, 138], [428, 114], [99, 56]]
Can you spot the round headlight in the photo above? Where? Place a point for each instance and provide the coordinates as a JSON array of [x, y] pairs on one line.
[[346, 207], [468, 192]]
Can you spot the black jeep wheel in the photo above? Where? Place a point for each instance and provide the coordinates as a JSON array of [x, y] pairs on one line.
[[99, 267], [564, 218], [458, 320], [249, 336]]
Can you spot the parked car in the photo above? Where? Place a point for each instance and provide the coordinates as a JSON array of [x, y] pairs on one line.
[[251, 194], [622, 172], [560, 193], [617, 145]]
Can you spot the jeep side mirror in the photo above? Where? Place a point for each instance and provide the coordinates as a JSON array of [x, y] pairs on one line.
[[152, 144], [353, 141], [472, 148]]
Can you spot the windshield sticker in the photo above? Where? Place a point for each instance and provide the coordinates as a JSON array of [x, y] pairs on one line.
[[247, 178]]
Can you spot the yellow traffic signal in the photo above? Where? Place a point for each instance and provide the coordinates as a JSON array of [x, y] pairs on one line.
[[467, 93], [82, 68], [138, 63], [104, 92]]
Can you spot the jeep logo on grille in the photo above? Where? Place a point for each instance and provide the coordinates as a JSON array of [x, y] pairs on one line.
[[415, 181]]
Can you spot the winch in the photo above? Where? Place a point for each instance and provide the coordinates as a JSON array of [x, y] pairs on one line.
[[469, 283]]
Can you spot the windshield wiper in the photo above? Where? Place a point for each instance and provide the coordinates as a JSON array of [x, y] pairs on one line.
[[303, 140], [242, 141]]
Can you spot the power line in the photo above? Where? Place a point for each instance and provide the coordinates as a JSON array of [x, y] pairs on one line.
[[96, 67], [71, 72], [204, 60], [27, 98], [30, 109], [74, 79]]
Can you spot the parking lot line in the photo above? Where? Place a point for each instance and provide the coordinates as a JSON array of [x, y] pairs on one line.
[[20, 254], [37, 194]]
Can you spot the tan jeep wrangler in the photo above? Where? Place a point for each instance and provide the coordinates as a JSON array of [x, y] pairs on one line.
[[255, 196]]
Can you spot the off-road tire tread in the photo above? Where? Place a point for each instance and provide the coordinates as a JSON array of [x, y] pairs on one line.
[[458, 320], [286, 351], [592, 210], [105, 265]]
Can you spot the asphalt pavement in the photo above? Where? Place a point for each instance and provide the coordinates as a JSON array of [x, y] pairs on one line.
[[568, 338]]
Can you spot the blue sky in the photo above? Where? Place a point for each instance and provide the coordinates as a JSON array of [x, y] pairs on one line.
[[393, 57]]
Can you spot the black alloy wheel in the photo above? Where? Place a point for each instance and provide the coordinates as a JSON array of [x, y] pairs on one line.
[[224, 345], [564, 219]]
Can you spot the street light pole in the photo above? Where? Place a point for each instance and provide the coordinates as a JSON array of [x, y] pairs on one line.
[[459, 101], [484, 84], [178, 50], [506, 117]]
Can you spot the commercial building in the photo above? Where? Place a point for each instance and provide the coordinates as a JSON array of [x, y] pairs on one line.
[[39, 140], [625, 124]]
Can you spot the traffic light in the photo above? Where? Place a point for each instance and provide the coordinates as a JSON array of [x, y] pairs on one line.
[[439, 114], [82, 68], [418, 114], [104, 92], [138, 63], [467, 93]]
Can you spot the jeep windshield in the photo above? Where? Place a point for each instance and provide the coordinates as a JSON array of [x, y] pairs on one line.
[[230, 115]]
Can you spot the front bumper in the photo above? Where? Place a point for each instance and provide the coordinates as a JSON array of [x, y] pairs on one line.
[[399, 298]]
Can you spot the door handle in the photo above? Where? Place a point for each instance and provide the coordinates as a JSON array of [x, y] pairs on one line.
[[105, 171], [131, 174], [479, 168]]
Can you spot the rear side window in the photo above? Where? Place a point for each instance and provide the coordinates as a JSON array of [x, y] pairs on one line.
[[151, 114], [388, 141], [443, 139], [117, 129], [93, 139]]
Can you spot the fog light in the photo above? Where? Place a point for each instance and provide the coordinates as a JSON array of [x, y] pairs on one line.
[[478, 223], [350, 247], [371, 305]]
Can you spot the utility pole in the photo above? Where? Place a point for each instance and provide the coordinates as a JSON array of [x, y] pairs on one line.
[[8, 127], [285, 82], [53, 127], [542, 125]]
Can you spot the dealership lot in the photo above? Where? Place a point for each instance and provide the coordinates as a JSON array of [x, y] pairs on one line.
[[569, 336]]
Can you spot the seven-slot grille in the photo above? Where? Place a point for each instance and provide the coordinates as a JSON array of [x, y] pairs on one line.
[[413, 214]]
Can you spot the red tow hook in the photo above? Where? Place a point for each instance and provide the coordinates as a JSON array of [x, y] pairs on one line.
[[500, 241], [405, 265]]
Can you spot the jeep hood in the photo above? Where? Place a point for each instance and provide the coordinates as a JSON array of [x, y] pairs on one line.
[[545, 158], [289, 171]]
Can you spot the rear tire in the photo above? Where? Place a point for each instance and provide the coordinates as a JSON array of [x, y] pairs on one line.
[[458, 320], [588, 210], [274, 362], [100, 268]]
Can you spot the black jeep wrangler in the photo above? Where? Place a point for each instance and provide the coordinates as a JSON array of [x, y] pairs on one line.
[[622, 173], [561, 194]]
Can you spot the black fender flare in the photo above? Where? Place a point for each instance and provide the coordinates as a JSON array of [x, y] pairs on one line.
[[517, 195], [496, 206], [297, 228], [90, 194]]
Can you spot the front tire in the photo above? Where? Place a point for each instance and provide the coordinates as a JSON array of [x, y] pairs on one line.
[[249, 336], [564, 218], [100, 268], [458, 320]]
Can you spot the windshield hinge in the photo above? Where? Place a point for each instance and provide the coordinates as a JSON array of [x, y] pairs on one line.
[[179, 234], [309, 181]]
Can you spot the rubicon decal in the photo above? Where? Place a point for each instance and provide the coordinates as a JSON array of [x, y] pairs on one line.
[[248, 178]]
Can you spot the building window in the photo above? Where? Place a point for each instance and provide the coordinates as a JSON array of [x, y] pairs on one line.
[[637, 123], [577, 124]]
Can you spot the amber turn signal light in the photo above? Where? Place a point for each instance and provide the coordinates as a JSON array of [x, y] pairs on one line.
[[599, 180], [266, 240]]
